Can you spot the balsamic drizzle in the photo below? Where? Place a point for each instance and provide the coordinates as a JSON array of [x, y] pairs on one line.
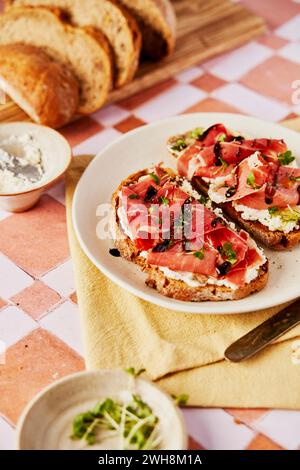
[[224, 268], [238, 138], [231, 191], [151, 192], [218, 153], [114, 252], [217, 220]]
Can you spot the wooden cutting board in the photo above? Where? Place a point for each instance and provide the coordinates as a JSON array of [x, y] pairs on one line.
[[205, 28]]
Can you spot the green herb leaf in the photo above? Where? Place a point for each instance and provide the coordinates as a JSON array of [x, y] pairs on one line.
[[224, 164], [181, 400], [133, 372], [295, 178], [221, 137], [199, 254], [179, 145], [203, 199], [196, 133], [289, 215], [134, 196], [155, 178], [164, 200], [273, 210], [229, 253], [251, 180], [286, 158]]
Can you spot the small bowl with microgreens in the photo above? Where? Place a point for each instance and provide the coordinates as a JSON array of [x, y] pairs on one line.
[[32, 159], [103, 410]]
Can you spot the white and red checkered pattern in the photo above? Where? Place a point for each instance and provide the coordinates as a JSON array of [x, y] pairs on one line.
[[39, 319]]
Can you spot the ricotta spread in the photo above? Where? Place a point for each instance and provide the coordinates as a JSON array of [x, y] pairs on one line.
[[272, 221], [21, 164]]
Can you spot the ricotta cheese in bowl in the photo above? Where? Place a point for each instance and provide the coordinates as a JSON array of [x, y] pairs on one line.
[[21, 163], [32, 158]]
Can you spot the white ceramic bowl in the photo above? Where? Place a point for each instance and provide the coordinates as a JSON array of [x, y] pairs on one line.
[[46, 423], [57, 158]]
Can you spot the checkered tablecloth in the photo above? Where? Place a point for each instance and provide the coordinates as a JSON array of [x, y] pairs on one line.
[[39, 321]]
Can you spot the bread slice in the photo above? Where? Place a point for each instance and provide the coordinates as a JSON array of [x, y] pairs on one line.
[[156, 279], [42, 87], [84, 51], [275, 240], [119, 27], [157, 22]]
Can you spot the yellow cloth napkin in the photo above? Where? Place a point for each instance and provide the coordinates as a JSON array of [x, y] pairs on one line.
[[182, 352]]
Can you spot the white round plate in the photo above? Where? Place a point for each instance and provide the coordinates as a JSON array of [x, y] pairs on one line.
[[142, 148]]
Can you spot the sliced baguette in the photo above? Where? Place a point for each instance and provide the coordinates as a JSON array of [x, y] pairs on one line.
[[156, 279], [42, 87], [118, 26], [275, 240], [157, 22], [84, 51]]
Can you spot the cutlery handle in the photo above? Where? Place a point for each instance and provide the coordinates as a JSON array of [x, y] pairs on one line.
[[264, 334]]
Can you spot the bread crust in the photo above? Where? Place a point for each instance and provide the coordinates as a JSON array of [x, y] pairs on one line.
[[42, 87], [110, 17], [171, 287], [92, 95]]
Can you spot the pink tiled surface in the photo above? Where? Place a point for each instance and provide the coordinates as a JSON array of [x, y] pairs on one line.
[[38, 306]]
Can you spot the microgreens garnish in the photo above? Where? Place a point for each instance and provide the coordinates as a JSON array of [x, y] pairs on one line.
[[223, 163], [133, 423], [221, 138], [273, 210], [181, 400], [199, 254], [203, 199], [133, 372], [251, 180], [295, 178], [134, 196], [286, 158], [155, 178], [179, 145], [196, 133], [228, 252], [164, 200]]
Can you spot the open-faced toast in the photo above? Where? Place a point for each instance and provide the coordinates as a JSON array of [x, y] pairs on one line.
[[214, 261], [254, 181]]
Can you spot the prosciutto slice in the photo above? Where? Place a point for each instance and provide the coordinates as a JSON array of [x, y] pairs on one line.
[[226, 165], [196, 240]]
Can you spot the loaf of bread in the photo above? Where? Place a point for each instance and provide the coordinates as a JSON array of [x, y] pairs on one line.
[[157, 22], [43, 88], [119, 27], [84, 50]]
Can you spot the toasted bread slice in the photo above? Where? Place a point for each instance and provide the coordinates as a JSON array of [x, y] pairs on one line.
[[42, 87], [113, 20], [157, 22], [84, 51], [275, 240], [167, 286]]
